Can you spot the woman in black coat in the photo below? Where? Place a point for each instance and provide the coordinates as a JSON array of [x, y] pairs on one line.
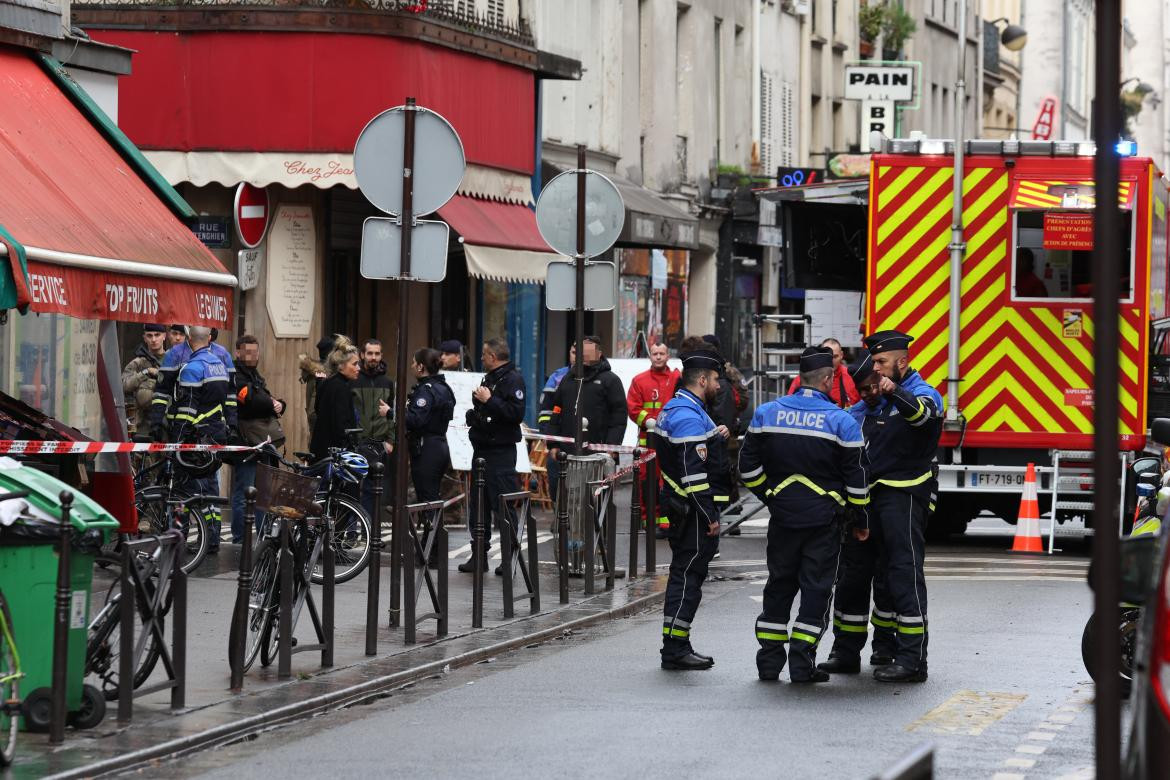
[[334, 406], [428, 414]]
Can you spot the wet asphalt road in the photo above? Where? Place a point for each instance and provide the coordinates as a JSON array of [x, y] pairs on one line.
[[1008, 696]]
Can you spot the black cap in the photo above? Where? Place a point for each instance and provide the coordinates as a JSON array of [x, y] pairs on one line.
[[154, 328], [451, 346], [887, 341], [702, 358], [815, 357], [862, 369], [713, 340], [324, 347], [178, 328]]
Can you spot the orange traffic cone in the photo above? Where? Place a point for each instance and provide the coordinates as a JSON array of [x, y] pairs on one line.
[[1028, 524]]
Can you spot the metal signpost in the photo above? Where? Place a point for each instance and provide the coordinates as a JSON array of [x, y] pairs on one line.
[[404, 179], [580, 214]]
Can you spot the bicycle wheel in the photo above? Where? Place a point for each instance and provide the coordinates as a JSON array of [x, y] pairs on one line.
[[9, 686], [193, 525], [351, 541], [262, 599], [105, 631]]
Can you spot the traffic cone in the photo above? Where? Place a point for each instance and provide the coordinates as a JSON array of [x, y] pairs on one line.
[[1028, 523]]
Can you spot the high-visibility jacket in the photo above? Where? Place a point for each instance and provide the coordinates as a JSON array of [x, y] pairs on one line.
[[162, 407], [648, 393], [201, 399], [805, 458], [902, 434], [691, 458]]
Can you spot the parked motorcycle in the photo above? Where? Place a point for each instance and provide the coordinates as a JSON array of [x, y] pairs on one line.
[[1153, 499]]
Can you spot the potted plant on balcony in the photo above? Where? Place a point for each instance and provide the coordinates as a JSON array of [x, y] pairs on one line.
[[869, 25], [897, 27]]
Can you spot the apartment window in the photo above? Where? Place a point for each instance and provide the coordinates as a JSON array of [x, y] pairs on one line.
[[495, 11], [1075, 62], [766, 128], [787, 126], [684, 61]]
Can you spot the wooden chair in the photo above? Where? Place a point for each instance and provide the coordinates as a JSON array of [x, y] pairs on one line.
[[538, 457]]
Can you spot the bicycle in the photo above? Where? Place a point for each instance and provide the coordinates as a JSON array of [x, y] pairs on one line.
[[162, 503]]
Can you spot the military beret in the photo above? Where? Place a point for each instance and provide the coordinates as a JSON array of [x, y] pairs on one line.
[[887, 341], [815, 357], [702, 358]]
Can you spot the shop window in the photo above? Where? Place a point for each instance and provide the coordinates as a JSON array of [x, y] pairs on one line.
[[1051, 272]]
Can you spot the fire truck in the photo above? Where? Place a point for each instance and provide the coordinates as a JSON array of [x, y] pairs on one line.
[[1024, 321]]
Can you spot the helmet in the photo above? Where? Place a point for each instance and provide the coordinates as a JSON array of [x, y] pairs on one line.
[[197, 463], [354, 466]]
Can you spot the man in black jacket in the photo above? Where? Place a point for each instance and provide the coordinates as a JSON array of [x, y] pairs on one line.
[[601, 400], [258, 416], [494, 419]]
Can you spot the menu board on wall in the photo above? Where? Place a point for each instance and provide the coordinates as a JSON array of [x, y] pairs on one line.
[[291, 290]]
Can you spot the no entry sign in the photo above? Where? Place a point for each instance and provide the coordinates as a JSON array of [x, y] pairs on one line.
[[251, 214]]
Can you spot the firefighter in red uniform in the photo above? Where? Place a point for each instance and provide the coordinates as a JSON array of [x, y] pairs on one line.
[[648, 393]]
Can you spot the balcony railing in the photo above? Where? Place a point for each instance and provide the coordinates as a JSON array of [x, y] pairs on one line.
[[460, 15]]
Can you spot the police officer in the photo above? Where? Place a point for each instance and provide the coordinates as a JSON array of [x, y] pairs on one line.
[[905, 479], [200, 413], [804, 457], [428, 414], [494, 419], [688, 445], [862, 562], [162, 406]]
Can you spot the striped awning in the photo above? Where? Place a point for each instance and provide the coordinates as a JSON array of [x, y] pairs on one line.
[[1065, 194]]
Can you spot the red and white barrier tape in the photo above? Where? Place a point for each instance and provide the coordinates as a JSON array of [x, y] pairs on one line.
[[619, 448], [614, 477], [41, 447]]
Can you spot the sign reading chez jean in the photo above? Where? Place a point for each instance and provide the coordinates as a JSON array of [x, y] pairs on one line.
[[212, 231]]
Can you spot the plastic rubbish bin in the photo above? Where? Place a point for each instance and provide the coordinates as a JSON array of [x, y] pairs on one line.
[[28, 579]]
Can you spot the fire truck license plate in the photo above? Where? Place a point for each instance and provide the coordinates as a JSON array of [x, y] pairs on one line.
[[994, 479]]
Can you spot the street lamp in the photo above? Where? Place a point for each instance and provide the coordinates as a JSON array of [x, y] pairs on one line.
[[1013, 36]]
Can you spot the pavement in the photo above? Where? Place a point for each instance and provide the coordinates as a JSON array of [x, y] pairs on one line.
[[998, 638]]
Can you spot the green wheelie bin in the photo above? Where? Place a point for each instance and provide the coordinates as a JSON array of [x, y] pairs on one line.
[[28, 580]]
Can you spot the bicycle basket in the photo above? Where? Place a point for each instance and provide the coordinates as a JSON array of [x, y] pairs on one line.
[[285, 493]]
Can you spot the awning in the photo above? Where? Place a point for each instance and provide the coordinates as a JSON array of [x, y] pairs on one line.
[[320, 169], [100, 243], [501, 240], [1065, 194], [652, 220]]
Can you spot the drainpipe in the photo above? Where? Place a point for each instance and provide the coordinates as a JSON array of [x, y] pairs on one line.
[[958, 246], [756, 146]]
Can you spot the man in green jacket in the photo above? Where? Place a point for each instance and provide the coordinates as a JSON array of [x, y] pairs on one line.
[[373, 394]]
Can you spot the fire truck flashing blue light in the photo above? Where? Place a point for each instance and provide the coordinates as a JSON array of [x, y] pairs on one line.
[[1126, 148]]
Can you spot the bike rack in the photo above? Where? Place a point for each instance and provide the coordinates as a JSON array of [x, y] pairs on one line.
[[635, 512], [323, 622], [153, 607], [562, 521], [650, 498], [478, 550], [512, 557], [374, 575], [57, 712], [412, 582], [238, 637], [600, 535]]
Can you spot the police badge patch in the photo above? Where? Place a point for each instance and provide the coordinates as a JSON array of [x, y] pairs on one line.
[[701, 450], [520, 395], [421, 402]]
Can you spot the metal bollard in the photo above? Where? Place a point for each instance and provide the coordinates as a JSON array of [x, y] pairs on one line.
[[284, 623], [239, 636], [610, 541], [179, 623], [126, 608], [409, 596], [589, 532], [635, 513], [477, 547], [328, 573], [375, 566], [533, 564], [397, 545], [57, 711], [563, 524], [507, 555], [650, 494], [441, 541]]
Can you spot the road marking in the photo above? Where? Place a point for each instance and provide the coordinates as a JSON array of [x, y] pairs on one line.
[[1007, 776], [988, 570], [1062, 718], [1020, 763], [967, 712], [1001, 578], [1046, 561], [1034, 750], [1041, 736], [459, 552]]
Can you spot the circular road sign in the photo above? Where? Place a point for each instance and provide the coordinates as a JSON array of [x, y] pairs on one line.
[[556, 213], [438, 160], [251, 213]]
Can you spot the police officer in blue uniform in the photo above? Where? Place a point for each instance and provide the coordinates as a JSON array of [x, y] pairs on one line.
[[805, 459], [862, 562], [687, 443], [429, 410], [905, 480], [162, 407]]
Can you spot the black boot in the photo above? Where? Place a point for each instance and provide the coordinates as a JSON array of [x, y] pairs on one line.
[[815, 676], [896, 673], [840, 663], [687, 663], [468, 566], [881, 659]]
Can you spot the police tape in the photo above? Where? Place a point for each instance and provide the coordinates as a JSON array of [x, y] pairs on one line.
[[618, 448], [648, 456], [44, 447]]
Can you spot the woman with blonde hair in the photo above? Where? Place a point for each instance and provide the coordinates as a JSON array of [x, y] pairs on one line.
[[334, 407]]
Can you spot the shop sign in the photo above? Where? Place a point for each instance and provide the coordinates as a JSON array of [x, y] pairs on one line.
[[849, 166], [291, 287], [879, 82], [798, 177], [212, 231], [1067, 230]]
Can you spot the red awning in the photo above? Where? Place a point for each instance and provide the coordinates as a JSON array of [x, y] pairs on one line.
[[489, 223], [100, 243]]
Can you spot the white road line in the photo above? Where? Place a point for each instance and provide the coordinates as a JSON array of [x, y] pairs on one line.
[[993, 570], [1000, 578], [1033, 750], [1020, 763], [1007, 776], [1048, 561], [1041, 736]]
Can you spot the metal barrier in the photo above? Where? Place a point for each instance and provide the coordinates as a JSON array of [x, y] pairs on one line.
[[297, 564], [152, 602], [435, 536], [583, 474], [918, 764], [57, 711], [238, 638], [600, 535], [635, 513], [650, 492], [562, 525], [374, 575], [512, 557], [478, 551]]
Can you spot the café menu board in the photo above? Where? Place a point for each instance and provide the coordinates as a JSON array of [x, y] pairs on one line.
[[291, 291]]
